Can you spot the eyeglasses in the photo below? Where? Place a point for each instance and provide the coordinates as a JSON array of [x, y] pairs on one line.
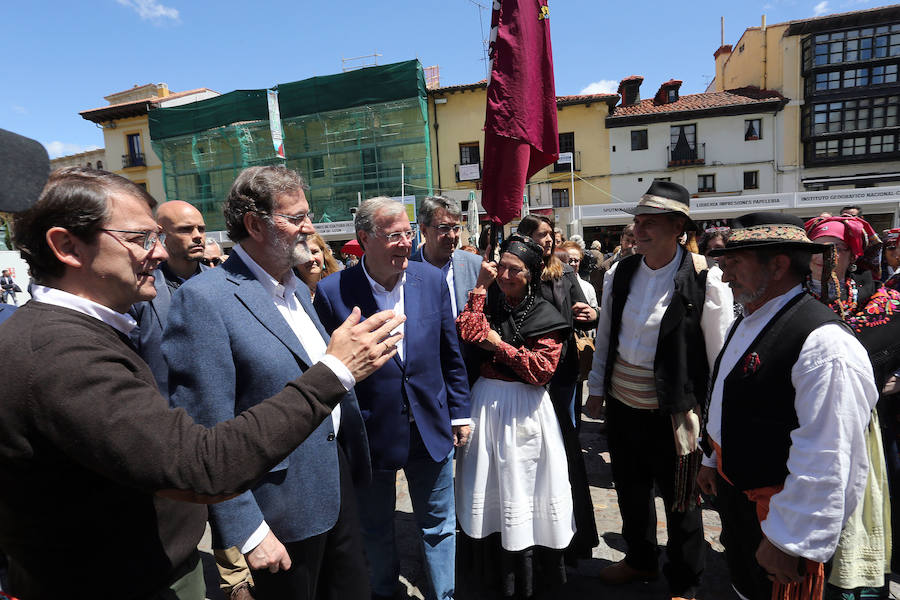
[[215, 261], [298, 218], [445, 229], [148, 242], [395, 237], [574, 261]]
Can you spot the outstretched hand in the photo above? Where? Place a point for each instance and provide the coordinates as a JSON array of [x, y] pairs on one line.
[[364, 347]]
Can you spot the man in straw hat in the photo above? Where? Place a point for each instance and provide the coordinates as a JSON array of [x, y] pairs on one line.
[[663, 319], [792, 391]]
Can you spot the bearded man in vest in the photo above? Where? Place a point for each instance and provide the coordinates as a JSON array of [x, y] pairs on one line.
[[663, 319], [792, 392]]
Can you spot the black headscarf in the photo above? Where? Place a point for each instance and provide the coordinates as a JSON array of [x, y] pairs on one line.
[[533, 316]]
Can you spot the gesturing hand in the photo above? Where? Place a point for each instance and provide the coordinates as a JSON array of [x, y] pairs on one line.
[[364, 347], [486, 277]]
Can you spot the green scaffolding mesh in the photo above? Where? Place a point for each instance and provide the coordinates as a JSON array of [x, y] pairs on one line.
[[350, 135]]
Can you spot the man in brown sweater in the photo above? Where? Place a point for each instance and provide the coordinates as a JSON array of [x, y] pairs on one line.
[[97, 473]]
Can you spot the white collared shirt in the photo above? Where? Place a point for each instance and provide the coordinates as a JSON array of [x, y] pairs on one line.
[[57, 297], [285, 300], [389, 300], [828, 462], [447, 270], [648, 299]]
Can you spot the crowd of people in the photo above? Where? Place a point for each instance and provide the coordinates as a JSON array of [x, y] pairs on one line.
[[153, 384]]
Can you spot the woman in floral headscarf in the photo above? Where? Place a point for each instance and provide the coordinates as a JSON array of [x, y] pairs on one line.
[[847, 282]]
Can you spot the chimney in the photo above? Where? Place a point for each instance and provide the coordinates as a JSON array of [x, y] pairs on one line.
[[630, 90], [668, 92], [721, 55]]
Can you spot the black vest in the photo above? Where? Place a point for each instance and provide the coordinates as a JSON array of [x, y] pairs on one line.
[[758, 413], [680, 367]]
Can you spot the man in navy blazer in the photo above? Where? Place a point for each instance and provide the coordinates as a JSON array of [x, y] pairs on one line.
[[185, 235], [236, 333], [416, 406]]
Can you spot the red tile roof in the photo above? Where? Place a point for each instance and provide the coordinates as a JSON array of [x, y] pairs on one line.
[[132, 108], [746, 96]]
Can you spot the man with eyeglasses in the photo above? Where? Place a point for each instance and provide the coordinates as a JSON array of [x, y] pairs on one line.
[[298, 527], [417, 406], [183, 236], [212, 254], [439, 222], [93, 462]]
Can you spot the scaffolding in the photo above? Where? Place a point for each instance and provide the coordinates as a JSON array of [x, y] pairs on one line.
[[350, 135]]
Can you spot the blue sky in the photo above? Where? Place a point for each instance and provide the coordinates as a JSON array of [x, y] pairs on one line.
[[61, 57]]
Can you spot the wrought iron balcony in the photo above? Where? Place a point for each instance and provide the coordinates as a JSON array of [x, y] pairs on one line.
[[686, 155], [133, 160]]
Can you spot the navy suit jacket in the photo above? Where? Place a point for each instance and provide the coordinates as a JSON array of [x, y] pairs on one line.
[[228, 349], [6, 311], [151, 316], [466, 267], [430, 381]]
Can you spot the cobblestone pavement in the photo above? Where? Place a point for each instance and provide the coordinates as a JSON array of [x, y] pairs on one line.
[[583, 583]]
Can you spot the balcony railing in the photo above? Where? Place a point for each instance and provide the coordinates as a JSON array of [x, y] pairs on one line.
[[560, 167], [133, 160], [468, 172], [686, 156]]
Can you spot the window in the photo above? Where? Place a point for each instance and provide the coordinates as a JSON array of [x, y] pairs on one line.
[[317, 166], [567, 144], [672, 95], [560, 198], [851, 46], [706, 183], [752, 129], [639, 139], [468, 154], [854, 115], [751, 180], [662, 179], [99, 165], [89, 165], [135, 156], [683, 143], [369, 158]]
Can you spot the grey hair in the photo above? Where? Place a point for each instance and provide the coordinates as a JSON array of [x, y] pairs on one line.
[[255, 190], [374, 207], [432, 203]]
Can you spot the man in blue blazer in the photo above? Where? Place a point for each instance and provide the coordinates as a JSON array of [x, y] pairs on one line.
[[236, 333], [185, 232], [439, 222], [416, 406]]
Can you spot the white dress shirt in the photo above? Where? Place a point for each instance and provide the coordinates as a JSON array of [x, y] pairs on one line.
[[285, 299], [827, 463], [48, 295], [447, 270], [648, 298], [393, 300]]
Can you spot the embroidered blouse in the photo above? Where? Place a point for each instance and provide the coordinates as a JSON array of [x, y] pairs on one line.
[[534, 363]]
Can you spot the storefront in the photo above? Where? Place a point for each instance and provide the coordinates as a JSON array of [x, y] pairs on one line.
[[880, 205]]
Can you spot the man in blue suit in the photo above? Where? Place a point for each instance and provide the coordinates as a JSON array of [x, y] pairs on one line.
[[234, 334], [416, 406], [185, 235], [439, 222]]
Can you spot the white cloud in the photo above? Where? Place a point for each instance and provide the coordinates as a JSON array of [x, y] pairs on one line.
[[604, 86], [19, 109], [56, 149], [821, 8], [151, 10]]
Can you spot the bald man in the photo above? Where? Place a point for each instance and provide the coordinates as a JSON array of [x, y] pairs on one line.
[[185, 243]]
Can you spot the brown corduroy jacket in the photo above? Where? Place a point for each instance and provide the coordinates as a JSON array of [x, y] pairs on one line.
[[92, 457]]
